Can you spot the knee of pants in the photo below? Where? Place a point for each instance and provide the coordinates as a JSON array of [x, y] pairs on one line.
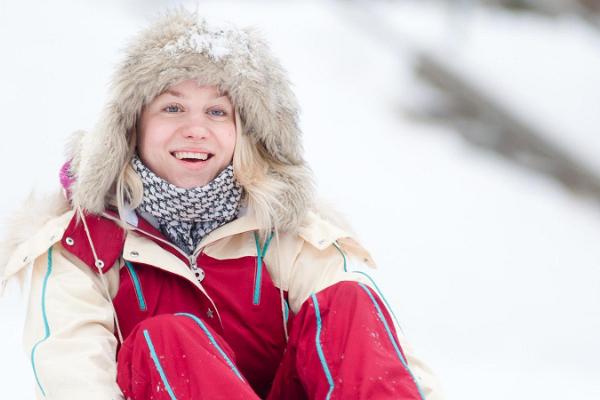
[[158, 327], [182, 356], [345, 293], [180, 333]]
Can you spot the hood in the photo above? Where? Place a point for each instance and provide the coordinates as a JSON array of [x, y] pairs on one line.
[[181, 46]]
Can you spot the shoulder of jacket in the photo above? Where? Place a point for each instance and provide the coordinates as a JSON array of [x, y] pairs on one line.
[[20, 251], [96, 240], [99, 238], [321, 234]]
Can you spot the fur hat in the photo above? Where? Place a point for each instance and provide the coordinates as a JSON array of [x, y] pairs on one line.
[[181, 46]]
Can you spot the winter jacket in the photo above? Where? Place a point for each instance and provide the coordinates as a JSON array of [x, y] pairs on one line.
[[70, 333]]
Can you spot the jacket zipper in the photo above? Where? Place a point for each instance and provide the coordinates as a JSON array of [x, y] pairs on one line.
[[196, 269], [192, 259], [193, 264]]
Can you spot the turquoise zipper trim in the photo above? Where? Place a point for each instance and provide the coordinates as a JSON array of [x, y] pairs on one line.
[[320, 349], [382, 297], [391, 337], [286, 310], [260, 254], [45, 318], [372, 281], [159, 367], [137, 286], [212, 340], [343, 255]]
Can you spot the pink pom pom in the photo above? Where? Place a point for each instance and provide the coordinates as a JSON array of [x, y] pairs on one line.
[[66, 178]]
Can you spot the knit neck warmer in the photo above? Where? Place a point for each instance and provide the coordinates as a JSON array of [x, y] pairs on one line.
[[186, 216]]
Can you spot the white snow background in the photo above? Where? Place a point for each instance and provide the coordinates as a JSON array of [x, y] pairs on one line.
[[493, 271]]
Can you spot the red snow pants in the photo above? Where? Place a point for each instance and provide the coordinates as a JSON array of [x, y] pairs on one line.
[[342, 345]]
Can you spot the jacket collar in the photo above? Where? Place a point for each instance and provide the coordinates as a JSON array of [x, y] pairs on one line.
[[245, 222]]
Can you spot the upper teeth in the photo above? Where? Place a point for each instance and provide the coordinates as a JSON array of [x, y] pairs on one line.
[[184, 154]]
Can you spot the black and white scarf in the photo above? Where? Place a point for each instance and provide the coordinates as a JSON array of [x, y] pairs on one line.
[[185, 216]]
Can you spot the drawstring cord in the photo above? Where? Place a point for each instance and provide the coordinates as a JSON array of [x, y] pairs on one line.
[[99, 265]]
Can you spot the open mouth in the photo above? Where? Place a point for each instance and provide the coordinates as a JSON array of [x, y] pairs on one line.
[[192, 157]]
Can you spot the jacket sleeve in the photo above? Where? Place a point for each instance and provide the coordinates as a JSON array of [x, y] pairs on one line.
[[347, 325], [68, 332]]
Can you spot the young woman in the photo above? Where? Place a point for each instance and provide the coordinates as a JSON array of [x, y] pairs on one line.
[[185, 258]]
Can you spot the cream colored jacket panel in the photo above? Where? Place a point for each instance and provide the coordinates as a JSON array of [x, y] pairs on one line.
[[70, 320], [68, 333]]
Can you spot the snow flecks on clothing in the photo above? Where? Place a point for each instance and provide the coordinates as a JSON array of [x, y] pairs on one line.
[[216, 42], [374, 335]]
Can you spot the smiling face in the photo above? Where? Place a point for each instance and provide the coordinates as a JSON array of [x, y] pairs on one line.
[[186, 135]]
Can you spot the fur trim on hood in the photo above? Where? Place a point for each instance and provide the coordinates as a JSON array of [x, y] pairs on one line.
[[182, 46]]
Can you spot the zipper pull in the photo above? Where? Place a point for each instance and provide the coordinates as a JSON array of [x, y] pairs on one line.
[[198, 272]]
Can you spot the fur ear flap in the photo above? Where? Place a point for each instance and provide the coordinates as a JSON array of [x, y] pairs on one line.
[[102, 154]]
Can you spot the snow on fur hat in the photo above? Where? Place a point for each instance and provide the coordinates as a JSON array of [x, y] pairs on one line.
[[182, 46]]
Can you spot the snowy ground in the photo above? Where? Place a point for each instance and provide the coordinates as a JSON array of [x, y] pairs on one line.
[[494, 272]]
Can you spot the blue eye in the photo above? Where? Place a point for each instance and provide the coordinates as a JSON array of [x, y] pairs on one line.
[[217, 112], [173, 108]]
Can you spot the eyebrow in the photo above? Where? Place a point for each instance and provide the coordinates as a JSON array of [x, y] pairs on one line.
[[173, 93]]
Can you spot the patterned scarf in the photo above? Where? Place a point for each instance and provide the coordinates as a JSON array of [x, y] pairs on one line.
[[185, 216]]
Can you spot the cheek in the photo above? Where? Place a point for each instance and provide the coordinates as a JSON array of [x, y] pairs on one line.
[[151, 137], [144, 146], [150, 144], [229, 144]]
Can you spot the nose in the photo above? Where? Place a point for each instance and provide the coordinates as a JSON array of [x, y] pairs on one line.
[[195, 127]]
